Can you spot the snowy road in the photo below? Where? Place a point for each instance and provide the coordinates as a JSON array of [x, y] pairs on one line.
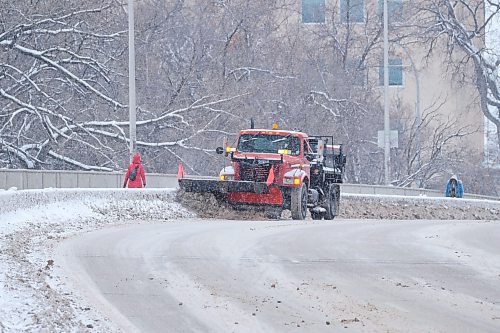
[[284, 276]]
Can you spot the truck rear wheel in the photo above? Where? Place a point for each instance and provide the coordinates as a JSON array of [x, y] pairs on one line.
[[298, 202], [332, 202]]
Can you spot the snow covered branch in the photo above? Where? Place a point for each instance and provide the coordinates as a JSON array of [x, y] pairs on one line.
[[465, 23]]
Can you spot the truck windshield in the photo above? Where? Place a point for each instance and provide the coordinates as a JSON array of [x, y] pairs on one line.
[[262, 143]]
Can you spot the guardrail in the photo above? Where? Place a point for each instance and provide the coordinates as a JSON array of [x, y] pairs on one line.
[[39, 179], [389, 190]]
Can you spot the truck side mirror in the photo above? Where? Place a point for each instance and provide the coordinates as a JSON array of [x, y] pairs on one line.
[[219, 150]]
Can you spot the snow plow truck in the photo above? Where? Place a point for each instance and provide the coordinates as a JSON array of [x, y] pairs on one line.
[[276, 170]]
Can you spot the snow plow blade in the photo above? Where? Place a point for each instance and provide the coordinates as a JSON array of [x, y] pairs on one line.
[[217, 186]]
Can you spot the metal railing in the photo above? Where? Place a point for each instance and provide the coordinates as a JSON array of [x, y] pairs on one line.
[[39, 179]]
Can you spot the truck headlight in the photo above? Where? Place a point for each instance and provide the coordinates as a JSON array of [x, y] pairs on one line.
[[291, 181]]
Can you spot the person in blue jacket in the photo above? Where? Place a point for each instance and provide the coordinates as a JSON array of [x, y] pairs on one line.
[[454, 188]]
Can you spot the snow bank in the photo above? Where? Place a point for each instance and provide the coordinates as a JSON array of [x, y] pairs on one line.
[[416, 208], [13, 200], [33, 222], [363, 206]]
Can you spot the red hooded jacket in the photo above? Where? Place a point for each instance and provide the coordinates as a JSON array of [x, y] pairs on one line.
[[140, 179]]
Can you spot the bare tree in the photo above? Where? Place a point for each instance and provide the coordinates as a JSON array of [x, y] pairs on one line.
[[462, 26], [421, 162], [203, 70], [54, 77], [222, 48], [62, 86]]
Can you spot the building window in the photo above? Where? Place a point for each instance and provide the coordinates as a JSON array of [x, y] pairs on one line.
[[395, 72], [394, 10], [352, 11], [313, 11]]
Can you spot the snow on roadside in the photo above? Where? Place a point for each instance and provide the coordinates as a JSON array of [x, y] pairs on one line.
[[31, 225], [364, 206], [391, 207]]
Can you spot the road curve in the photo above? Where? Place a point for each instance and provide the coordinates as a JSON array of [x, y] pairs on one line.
[[284, 276]]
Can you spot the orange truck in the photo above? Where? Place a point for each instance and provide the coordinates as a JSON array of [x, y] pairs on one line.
[[276, 170]]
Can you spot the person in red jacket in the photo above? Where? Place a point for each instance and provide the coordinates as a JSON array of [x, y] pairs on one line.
[[135, 176]]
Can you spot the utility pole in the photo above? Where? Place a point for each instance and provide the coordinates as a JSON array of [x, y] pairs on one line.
[[387, 123], [131, 78]]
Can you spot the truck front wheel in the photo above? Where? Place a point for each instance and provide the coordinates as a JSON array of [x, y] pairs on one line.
[[298, 202], [332, 202]]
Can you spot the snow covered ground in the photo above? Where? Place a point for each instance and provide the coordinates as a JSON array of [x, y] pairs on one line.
[[32, 223]]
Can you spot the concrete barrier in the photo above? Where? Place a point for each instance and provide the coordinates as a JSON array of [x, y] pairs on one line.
[[38, 179], [388, 190]]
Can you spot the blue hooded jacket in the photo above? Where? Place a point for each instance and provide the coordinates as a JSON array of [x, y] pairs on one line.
[[457, 185]]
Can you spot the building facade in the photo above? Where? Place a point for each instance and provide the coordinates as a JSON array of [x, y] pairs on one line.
[[418, 78]]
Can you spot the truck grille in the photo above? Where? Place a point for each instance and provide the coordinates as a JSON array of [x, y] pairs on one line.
[[254, 172]]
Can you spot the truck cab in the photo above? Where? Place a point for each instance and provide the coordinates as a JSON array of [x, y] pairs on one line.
[[259, 151]]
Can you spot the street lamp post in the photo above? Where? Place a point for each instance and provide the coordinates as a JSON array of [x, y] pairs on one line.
[[131, 77], [387, 123]]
